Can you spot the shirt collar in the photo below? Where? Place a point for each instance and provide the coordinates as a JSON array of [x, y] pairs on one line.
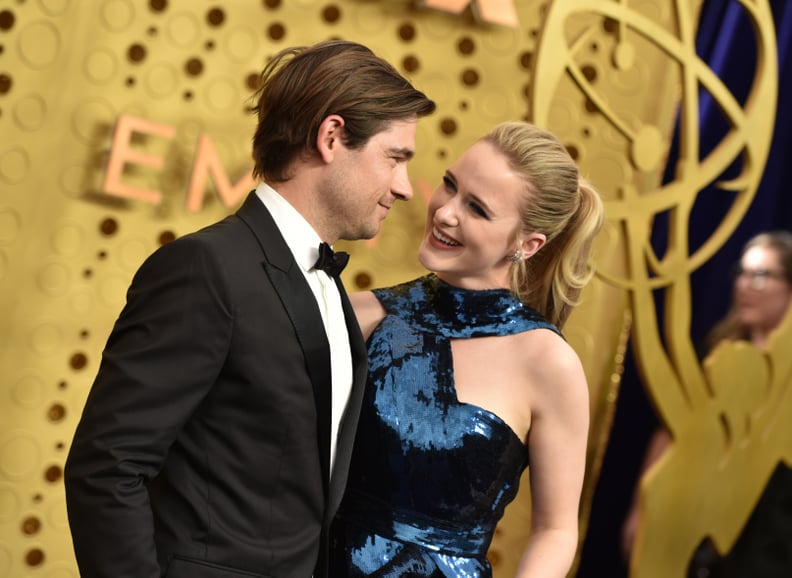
[[301, 238]]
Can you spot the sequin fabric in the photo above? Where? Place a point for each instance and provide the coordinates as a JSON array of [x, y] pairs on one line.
[[430, 476]]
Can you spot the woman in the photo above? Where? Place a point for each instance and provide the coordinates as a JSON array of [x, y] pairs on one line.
[[469, 374], [761, 294], [760, 301], [762, 291]]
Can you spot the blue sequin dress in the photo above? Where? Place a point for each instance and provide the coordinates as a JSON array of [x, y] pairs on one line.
[[430, 476]]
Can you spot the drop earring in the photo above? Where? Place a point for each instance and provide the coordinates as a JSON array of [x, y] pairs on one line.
[[516, 257]]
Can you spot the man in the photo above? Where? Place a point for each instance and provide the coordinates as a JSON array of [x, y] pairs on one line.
[[216, 438]]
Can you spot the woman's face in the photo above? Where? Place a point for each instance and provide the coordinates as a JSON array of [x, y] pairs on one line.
[[762, 293], [473, 222]]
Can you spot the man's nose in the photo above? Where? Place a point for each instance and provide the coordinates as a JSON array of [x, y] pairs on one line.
[[401, 187]]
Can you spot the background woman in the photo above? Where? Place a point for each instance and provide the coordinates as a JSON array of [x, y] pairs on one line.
[[761, 294]]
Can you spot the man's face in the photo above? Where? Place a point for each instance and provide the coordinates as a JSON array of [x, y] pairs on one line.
[[363, 184]]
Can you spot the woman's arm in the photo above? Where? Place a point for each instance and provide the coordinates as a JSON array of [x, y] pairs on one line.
[[557, 443], [368, 311], [658, 444]]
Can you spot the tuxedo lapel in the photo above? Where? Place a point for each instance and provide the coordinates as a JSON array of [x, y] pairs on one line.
[[347, 431], [300, 305], [346, 435]]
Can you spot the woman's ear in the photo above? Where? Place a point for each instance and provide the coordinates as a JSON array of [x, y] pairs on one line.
[[328, 137], [531, 243]]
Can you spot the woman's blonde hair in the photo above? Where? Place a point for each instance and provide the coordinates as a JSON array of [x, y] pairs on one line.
[[559, 204]]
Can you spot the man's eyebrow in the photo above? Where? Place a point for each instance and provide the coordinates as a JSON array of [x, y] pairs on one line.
[[407, 153]]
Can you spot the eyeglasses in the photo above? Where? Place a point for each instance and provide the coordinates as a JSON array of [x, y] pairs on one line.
[[757, 278]]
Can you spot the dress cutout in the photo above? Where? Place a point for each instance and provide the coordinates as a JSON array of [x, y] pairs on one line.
[[430, 476]]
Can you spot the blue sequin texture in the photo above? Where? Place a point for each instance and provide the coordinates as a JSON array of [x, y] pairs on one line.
[[430, 476]]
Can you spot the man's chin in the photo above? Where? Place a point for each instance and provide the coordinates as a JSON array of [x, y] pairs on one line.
[[362, 234]]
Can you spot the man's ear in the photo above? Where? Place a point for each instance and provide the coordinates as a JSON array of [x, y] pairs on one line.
[[531, 243], [329, 137]]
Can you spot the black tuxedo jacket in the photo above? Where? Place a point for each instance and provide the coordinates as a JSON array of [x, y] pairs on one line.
[[203, 448]]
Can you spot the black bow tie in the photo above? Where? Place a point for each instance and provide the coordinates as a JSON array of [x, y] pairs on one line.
[[331, 262]]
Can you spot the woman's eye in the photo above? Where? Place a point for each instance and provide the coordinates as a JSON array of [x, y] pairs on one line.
[[476, 208]]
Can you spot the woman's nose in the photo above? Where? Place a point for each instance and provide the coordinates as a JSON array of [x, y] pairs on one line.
[[446, 214]]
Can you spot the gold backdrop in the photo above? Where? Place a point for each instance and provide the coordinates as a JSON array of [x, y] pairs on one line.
[[123, 125]]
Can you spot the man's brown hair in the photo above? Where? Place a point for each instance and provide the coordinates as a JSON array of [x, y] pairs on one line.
[[302, 86]]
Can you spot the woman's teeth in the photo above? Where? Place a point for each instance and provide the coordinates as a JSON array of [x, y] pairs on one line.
[[443, 239]]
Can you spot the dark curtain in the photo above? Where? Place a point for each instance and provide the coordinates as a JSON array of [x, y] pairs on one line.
[[726, 41]]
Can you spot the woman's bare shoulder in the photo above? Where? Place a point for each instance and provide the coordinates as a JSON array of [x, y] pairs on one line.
[[549, 345], [552, 360]]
